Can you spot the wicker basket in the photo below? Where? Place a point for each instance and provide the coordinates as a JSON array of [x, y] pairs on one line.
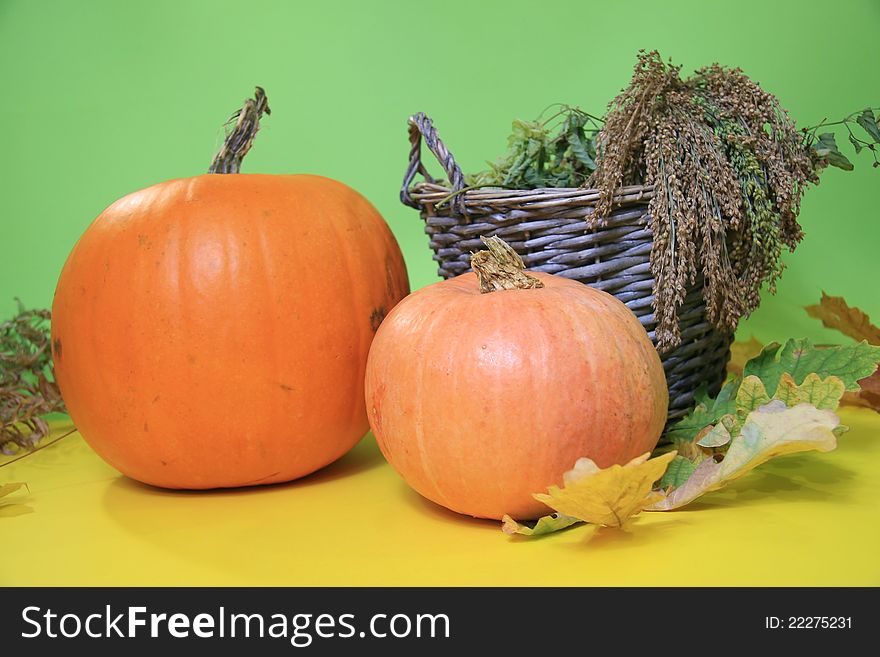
[[547, 228]]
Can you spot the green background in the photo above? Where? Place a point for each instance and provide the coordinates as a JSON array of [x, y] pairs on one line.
[[101, 98]]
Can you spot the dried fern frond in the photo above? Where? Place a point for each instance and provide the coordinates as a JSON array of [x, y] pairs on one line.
[[28, 389]]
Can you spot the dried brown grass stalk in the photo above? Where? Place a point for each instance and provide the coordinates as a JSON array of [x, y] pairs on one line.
[[28, 390]]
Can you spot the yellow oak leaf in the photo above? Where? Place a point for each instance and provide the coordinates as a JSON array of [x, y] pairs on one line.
[[608, 496], [751, 395], [821, 393], [772, 430]]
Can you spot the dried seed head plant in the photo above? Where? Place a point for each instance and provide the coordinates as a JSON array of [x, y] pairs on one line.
[[727, 164], [728, 168]]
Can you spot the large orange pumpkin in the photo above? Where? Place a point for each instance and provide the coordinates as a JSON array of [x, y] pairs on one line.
[[480, 399], [213, 331]]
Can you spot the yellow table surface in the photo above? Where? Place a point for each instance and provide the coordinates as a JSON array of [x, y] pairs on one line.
[[807, 519]]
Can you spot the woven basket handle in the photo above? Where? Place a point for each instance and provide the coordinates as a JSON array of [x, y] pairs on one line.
[[421, 127]]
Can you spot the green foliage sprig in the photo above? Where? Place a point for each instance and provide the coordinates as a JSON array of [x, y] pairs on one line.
[[858, 125], [557, 151]]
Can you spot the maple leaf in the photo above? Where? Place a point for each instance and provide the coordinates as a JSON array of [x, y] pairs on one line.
[[836, 314], [608, 496], [771, 430]]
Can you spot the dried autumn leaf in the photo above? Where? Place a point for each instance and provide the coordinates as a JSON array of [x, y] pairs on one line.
[[836, 314], [10, 509], [718, 436], [608, 496], [706, 411], [679, 471], [741, 352], [8, 489], [545, 525], [853, 365], [751, 395], [800, 358], [821, 393], [772, 430], [868, 396], [27, 384], [871, 384]]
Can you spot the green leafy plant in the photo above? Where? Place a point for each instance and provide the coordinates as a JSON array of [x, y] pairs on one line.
[[557, 151], [862, 132]]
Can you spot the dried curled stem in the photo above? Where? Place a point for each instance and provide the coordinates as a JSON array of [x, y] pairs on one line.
[[239, 140], [499, 267]]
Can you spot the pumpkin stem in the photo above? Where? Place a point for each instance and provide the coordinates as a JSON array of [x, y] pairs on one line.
[[501, 268], [241, 136]]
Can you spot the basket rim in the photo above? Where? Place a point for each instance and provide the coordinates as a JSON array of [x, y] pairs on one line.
[[434, 193]]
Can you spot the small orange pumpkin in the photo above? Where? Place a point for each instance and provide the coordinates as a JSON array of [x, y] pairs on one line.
[[479, 400], [213, 331]]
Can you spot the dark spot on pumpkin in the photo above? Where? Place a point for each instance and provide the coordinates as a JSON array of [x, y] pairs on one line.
[[285, 387], [155, 399], [163, 462], [376, 318], [56, 348], [146, 427], [143, 241]]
